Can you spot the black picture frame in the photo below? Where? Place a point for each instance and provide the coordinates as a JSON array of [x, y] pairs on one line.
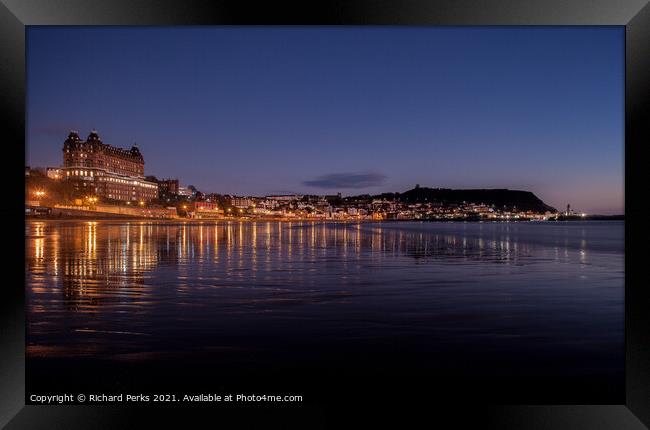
[[634, 15]]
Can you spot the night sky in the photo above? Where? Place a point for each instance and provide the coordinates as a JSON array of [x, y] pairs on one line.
[[259, 110]]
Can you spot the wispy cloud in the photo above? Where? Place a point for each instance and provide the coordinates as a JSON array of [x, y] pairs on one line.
[[346, 180]]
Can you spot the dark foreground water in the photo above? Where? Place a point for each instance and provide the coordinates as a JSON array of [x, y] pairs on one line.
[[515, 312]]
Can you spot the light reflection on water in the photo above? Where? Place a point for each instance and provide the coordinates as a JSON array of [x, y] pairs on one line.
[[129, 289]]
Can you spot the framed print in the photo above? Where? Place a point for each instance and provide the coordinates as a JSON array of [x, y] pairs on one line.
[[273, 213]]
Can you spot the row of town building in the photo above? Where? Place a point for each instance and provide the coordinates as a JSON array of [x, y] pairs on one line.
[[115, 174], [110, 173], [336, 207]]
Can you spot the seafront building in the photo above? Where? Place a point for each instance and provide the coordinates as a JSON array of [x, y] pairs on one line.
[[106, 171], [54, 173], [242, 202], [168, 187], [184, 192]]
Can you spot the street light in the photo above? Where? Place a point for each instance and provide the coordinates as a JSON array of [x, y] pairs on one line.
[[141, 203]]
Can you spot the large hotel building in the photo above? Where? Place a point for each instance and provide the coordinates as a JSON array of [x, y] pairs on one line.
[[106, 171]]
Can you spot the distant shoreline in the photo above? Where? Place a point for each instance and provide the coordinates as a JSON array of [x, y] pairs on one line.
[[315, 220], [588, 218]]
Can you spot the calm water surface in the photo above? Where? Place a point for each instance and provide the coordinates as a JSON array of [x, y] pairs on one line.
[[520, 295]]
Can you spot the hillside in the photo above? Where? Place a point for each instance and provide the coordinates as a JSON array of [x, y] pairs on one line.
[[500, 198]]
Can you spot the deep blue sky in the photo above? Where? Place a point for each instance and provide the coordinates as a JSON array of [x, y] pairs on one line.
[[355, 110]]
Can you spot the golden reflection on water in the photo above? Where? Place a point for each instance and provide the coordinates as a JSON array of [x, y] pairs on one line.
[[115, 278], [95, 262], [39, 243]]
